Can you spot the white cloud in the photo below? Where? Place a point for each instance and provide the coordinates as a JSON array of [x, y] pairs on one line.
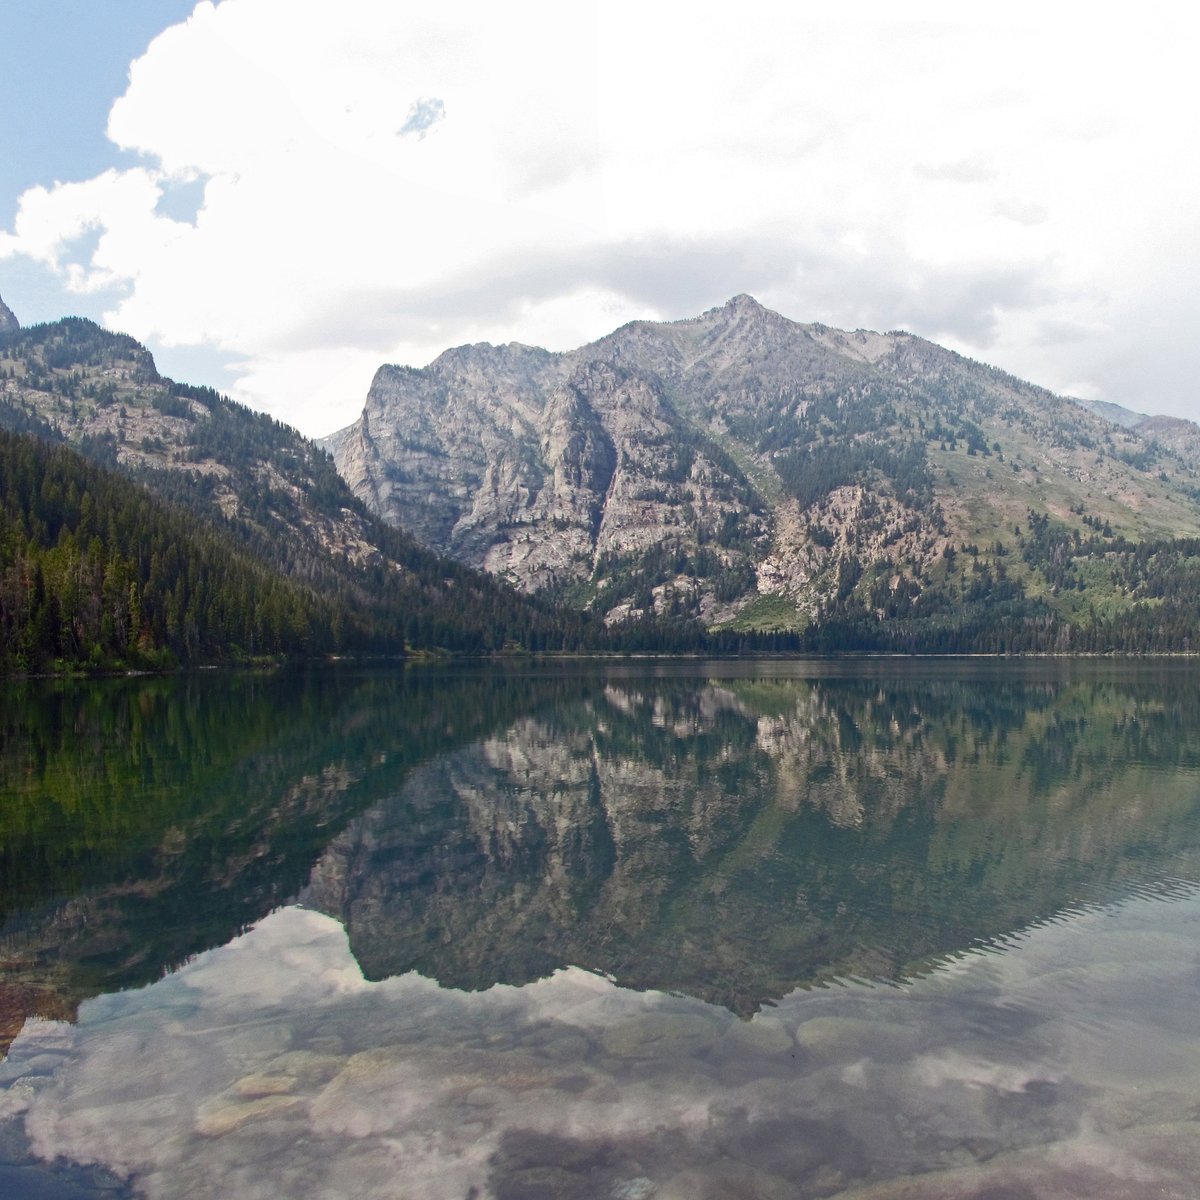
[[540, 173], [967, 170]]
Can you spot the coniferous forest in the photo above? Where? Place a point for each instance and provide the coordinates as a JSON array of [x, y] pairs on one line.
[[96, 572]]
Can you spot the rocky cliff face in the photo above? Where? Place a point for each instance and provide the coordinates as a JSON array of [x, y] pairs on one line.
[[706, 467], [8, 320], [553, 471]]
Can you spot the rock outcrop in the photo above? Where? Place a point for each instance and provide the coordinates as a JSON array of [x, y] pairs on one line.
[[552, 471]]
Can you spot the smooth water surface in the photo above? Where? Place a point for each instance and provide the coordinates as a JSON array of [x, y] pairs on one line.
[[863, 929]]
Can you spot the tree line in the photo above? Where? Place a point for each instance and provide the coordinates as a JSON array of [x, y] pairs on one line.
[[95, 572]]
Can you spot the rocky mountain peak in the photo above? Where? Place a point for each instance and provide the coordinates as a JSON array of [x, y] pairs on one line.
[[489, 356], [8, 320], [739, 467], [743, 303], [743, 328], [744, 311]]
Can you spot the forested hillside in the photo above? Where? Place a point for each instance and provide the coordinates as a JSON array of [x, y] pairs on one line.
[[94, 571], [261, 548]]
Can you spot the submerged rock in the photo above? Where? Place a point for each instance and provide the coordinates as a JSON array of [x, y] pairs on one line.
[[660, 1035], [829, 1039], [222, 1116]]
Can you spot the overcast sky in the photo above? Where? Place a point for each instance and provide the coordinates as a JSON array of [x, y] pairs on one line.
[[279, 195]]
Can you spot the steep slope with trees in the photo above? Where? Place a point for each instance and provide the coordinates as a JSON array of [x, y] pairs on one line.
[[263, 492]]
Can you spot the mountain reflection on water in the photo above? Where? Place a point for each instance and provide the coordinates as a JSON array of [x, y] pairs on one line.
[[143, 821], [582, 916], [734, 839]]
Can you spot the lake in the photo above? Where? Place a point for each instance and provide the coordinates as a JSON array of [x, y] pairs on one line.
[[866, 929]]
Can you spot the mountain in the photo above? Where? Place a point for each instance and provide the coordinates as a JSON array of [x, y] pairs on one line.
[[756, 473], [1116, 413], [271, 494], [8, 320], [790, 486], [1180, 437]]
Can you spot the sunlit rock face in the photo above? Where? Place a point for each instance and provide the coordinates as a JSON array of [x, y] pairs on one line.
[[8, 319], [692, 467], [550, 470]]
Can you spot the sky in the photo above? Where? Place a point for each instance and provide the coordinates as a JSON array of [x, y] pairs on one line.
[[278, 196]]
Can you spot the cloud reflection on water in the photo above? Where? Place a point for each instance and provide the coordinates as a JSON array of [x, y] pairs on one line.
[[1065, 1063]]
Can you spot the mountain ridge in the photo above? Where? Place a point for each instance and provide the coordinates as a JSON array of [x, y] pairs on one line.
[[764, 472], [787, 487]]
